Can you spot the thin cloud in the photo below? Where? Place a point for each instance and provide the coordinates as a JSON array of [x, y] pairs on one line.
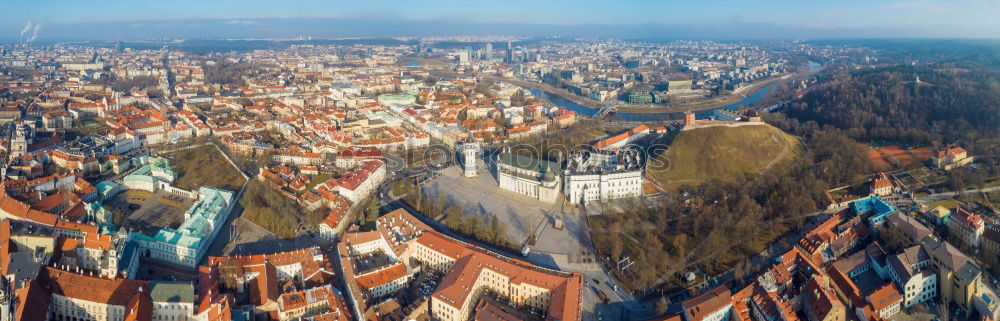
[[241, 22]]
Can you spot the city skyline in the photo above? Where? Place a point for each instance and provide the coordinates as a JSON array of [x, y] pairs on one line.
[[777, 19]]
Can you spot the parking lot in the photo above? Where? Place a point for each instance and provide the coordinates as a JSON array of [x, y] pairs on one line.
[[371, 261]]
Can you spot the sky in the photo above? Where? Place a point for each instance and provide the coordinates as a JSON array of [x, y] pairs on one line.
[[132, 19]]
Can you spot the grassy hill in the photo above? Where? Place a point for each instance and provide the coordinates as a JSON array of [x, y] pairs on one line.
[[723, 152]]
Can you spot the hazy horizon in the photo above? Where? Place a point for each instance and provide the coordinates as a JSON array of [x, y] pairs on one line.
[[62, 20]]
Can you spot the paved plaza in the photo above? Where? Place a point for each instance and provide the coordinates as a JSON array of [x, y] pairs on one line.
[[523, 216], [567, 249]]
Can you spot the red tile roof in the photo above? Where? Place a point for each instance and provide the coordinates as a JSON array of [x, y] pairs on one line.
[[700, 306], [380, 277], [338, 209], [31, 302], [355, 178], [820, 298], [951, 152], [881, 181], [968, 218], [264, 287], [487, 311], [565, 288], [620, 137], [885, 297], [20, 210], [115, 291]]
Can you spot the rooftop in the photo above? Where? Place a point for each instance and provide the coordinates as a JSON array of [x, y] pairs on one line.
[[707, 303], [174, 292], [108, 291]]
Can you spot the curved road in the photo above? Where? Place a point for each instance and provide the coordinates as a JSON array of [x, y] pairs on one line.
[[950, 195]]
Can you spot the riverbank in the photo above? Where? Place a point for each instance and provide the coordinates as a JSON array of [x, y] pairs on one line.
[[650, 109], [585, 106], [659, 115], [565, 94], [709, 104], [743, 96]]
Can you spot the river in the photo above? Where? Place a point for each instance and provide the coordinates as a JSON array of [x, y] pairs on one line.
[[664, 116], [561, 101]]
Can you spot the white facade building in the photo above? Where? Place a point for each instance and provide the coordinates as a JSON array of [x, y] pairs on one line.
[[186, 245], [601, 175], [82, 297], [533, 177], [912, 272], [172, 300], [358, 184], [470, 152]]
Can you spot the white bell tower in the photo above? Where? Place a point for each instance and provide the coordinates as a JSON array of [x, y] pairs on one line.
[[470, 152]]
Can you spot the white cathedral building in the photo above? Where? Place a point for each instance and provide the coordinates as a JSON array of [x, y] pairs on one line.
[[529, 176], [590, 175]]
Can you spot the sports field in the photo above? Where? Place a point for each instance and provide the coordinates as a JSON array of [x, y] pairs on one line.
[[891, 157]]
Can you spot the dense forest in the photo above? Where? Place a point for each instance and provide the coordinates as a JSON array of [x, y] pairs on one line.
[[148, 83], [227, 73], [903, 51], [952, 105], [717, 226]]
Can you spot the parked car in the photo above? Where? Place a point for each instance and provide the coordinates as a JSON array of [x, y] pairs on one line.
[[604, 297]]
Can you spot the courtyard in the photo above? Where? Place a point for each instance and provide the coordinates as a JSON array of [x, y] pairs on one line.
[[149, 212]]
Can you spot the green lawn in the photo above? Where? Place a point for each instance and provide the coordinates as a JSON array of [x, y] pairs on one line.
[[316, 180], [86, 127], [204, 166], [949, 204]]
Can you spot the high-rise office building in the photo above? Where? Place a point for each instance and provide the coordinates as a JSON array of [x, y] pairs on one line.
[[510, 53], [463, 57], [488, 51]]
